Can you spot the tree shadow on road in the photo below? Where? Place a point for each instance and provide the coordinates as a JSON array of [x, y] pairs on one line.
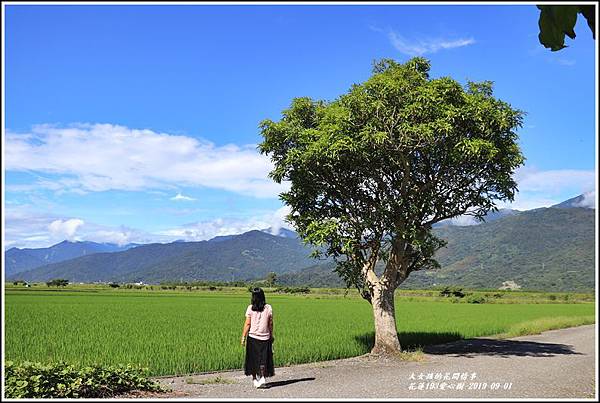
[[453, 344], [411, 340], [270, 385], [500, 348]]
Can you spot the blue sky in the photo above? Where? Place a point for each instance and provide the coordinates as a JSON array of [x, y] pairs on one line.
[[139, 123]]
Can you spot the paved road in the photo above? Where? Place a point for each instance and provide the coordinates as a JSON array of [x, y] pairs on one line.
[[554, 364]]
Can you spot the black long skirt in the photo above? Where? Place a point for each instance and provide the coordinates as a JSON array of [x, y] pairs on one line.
[[259, 355]]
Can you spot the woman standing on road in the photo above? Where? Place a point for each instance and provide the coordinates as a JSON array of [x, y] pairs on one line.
[[257, 336]]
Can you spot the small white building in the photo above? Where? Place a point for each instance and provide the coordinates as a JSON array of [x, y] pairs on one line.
[[509, 285]]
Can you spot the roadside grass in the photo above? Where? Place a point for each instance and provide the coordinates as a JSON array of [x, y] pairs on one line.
[[538, 326], [209, 381], [415, 354]]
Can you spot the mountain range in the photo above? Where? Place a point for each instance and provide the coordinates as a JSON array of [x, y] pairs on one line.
[[18, 260], [546, 248], [549, 249], [246, 256]]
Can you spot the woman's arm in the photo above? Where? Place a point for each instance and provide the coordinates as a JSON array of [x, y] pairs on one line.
[[271, 327], [245, 330]]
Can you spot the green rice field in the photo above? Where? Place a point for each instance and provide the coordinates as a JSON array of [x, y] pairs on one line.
[[173, 332]]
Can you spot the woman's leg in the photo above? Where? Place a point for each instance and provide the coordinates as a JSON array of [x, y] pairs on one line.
[[263, 358], [269, 367]]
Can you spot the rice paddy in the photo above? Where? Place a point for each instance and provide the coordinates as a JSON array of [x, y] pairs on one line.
[[191, 332]]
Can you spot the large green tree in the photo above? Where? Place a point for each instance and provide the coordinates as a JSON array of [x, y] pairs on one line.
[[374, 169]]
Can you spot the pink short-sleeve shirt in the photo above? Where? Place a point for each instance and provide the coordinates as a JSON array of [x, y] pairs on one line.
[[259, 322]]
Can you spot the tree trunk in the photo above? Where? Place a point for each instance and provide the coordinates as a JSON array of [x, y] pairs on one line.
[[386, 335]]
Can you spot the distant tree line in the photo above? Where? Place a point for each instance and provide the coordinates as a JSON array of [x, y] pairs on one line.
[[269, 281], [58, 282], [17, 282]]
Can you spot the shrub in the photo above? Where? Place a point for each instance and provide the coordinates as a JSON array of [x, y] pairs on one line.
[[114, 285], [293, 290], [452, 291], [38, 380], [476, 299], [445, 292], [255, 284], [58, 282]]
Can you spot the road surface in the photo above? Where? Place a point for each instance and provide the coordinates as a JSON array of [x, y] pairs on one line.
[[554, 364]]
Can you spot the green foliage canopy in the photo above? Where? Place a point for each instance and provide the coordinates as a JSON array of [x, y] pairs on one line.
[[372, 170]]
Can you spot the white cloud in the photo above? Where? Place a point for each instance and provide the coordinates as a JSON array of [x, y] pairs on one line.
[[119, 237], [464, 220], [565, 62], [180, 197], [419, 47], [538, 50], [374, 28], [20, 224], [66, 228], [27, 228], [589, 200], [277, 220], [203, 230], [524, 202], [99, 157], [538, 188], [555, 181]]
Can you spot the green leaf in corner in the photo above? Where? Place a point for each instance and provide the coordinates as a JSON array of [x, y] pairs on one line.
[[555, 22]]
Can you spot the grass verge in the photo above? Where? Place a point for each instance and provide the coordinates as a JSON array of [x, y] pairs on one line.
[[412, 355], [209, 381], [538, 326]]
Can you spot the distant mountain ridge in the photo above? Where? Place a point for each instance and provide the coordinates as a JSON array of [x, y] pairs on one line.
[[584, 200], [491, 216], [546, 248], [246, 256], [18, 260], [282, 232]]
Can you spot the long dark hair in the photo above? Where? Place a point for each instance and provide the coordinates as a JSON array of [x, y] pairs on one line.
[[258, 299]]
